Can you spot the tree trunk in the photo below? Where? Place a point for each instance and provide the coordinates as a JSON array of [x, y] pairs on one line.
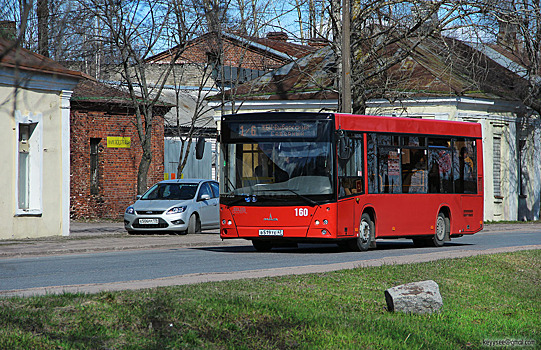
[[144, 166], [43, 27]]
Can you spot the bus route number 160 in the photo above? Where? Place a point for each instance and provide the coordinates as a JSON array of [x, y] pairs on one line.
[[301, 211]]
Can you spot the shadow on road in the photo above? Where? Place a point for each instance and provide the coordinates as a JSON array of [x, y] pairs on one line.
[[304, 248]]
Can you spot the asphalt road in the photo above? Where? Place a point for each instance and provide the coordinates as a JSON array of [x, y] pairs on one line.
[[132, 269]]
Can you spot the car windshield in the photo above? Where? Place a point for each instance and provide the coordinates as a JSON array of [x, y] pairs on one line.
[[171, 191]]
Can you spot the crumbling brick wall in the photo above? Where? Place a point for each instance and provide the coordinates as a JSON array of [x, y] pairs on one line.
[[117, 167]]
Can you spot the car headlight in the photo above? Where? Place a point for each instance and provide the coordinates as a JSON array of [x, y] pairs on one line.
[[176, 210], [130, 210]]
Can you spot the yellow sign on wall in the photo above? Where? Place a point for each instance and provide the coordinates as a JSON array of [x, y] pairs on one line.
[[118, 142]]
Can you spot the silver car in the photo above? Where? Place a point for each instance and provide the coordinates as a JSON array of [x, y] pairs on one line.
[[181, 206]]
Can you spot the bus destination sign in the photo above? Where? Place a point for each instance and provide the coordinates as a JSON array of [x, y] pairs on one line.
[[269, 130]]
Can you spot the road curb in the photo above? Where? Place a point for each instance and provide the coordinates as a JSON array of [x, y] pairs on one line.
[[275, 272]]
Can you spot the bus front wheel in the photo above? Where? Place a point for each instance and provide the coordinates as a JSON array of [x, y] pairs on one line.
[[366, 234]]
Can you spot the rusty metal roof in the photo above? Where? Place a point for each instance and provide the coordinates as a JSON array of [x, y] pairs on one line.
[[435, 68], [95, 94], [311, 77], [13, 56]]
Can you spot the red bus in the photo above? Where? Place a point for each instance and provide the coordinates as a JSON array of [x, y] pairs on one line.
[[288, 178]]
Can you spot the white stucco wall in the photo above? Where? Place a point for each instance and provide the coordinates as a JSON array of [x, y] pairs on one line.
[[48, 214]]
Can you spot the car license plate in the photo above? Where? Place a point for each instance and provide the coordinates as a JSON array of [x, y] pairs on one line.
[[271, 232], [148, 221]]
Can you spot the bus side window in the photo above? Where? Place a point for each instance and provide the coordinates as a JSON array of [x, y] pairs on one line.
[[439, 171], [414, 171], [440, 165], [389, 170], [465, 166], [350, 171], [372, 171]]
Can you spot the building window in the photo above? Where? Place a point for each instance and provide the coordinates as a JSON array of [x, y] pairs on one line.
[[29, 165], [94, 165], [522, 174], [496, 168]]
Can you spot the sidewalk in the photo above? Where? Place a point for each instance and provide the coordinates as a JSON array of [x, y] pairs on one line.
[[86, 237]]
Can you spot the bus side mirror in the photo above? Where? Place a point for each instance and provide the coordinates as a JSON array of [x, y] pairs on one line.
[[200, 148], [344, 147]]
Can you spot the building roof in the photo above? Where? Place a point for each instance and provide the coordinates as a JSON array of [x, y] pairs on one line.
[[437, 67], [311, 77], [90, 93], [13, 56], [273, 46]]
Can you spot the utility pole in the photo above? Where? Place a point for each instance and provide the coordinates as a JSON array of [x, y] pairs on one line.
[[346, 58]]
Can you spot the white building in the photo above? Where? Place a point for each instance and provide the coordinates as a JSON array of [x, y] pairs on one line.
[[34, 121]]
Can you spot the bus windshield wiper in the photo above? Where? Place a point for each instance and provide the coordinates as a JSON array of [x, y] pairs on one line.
[[308, 200]]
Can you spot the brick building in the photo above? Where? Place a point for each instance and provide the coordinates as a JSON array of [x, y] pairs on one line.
[[243, 57], [105, 151]]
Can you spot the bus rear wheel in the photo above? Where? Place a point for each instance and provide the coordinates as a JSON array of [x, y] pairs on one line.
[[261, 245], [366, 234], [440, 232]]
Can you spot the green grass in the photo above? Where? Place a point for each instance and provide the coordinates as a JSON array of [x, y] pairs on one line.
[[494, 297]]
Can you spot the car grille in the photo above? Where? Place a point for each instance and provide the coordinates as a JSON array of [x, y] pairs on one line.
[[161, 224], [149, 212]]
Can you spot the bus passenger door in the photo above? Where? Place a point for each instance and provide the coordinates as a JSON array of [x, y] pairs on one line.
[[346, 217], [350, 184]]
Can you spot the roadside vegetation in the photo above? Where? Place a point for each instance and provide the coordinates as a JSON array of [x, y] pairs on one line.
[[486, 298]]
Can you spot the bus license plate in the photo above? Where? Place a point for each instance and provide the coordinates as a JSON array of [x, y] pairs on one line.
[[148, 221], [271, 232]]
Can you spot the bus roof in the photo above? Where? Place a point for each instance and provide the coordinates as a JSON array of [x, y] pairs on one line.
[[407, 125], [368, 123]]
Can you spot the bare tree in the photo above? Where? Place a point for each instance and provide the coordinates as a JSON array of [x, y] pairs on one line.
[[132, 30], [11, 15], [214, 13], [219, 71], [515, 25], [385, 33]]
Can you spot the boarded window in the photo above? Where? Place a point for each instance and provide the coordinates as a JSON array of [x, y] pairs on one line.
[[497, 150], [94, 165]]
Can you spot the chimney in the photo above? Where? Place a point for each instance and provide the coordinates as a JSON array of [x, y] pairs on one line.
[[280, 36], [318, 42], [8, 30]]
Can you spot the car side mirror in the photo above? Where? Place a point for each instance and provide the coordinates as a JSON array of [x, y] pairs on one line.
[[138, 197], [204, 197]]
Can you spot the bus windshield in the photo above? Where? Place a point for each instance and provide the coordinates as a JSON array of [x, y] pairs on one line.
[[269, 170]]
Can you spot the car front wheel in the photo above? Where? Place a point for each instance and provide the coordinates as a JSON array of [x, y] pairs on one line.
[[194, 225]]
